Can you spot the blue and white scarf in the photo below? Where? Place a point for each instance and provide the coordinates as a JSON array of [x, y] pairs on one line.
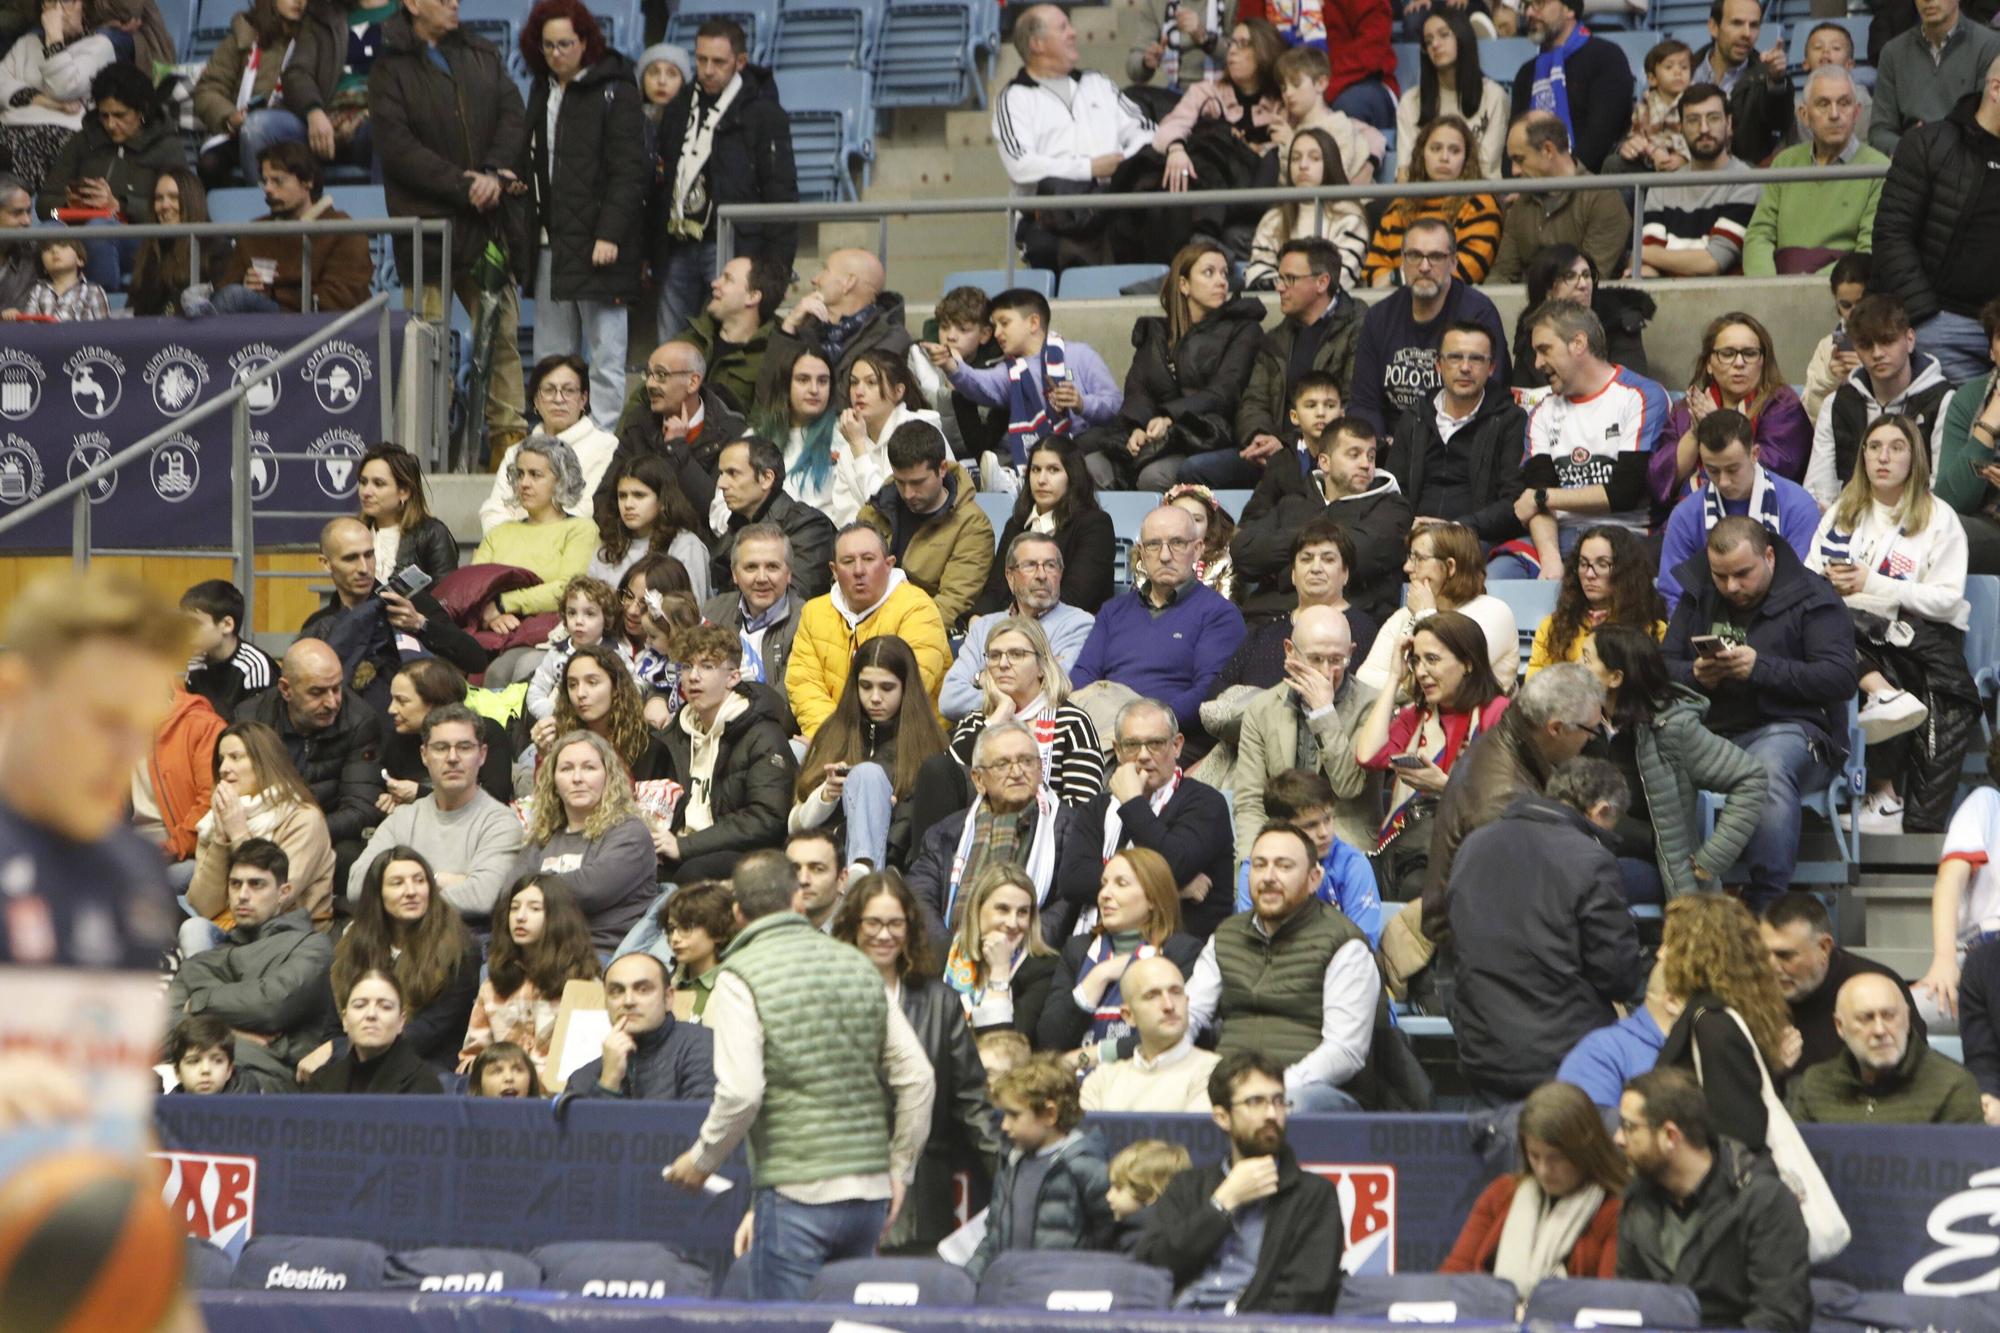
[[1030, 419], [1763, 504], [1551, 86]]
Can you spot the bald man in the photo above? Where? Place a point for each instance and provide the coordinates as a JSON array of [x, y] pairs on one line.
[[846, 313], [1166, 1074], [333, 737], [374, 629], [1883, 1077]]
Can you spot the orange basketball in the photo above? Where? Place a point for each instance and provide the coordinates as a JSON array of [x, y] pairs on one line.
[[86, 1246]]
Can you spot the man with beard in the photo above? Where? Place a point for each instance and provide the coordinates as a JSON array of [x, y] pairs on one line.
[[1583, 81], [1395, 365], [1696, 231], [18, 269], [1255, 1234], [264, 272]]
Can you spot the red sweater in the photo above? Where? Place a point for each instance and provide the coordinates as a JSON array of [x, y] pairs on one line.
[[1357, 39], [1595, 1253]]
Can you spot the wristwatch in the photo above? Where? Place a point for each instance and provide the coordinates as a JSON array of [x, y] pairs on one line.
[[1541, 500]]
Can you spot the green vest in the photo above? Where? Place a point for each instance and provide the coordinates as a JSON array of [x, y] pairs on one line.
[[825, 1018], [1274, 989]]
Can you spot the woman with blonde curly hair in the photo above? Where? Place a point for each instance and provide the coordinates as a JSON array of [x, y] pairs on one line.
[[585, 826], [1715, 963]]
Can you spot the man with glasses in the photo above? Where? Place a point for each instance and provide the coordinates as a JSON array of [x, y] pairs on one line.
[[1893, 379], [1395, 364], [1150, 802], [1254, 1234], [686, 422], [1582, 82], [1172, 640], [1034, 566], [1594, 221], [468, 837], [1321, 326], [1696, 231], [1460, 462]]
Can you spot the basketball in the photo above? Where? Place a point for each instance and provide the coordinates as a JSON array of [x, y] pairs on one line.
[[86, 1244]]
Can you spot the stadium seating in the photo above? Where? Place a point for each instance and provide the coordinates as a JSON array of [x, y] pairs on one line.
[[1106, 280], [310, 1263], [892, 1282], [457, 1268], [1531, 600], [758, 19], [935, 52], [1426, 1298], [993, 281], [816, 34], [1982, 639], [615, 1269], [1599, 1302], [1074, 1280], [833, 126]]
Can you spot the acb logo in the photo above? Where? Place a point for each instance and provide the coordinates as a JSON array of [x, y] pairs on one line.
[[1368, 1203], [214, 1196]]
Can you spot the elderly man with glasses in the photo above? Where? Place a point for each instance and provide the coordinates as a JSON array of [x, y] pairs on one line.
[[686, 422], [1034, 567]]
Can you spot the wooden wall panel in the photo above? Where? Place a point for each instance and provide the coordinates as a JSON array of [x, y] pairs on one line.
[[282, 604]]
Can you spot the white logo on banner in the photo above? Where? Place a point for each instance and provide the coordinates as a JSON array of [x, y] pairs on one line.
[[1979, 1202], [96, 381], [263, 466], [177, 376], [338, 373], [21, 378], [20, 471], [264, 394], [176, 468], [338, 467], [88, 450]]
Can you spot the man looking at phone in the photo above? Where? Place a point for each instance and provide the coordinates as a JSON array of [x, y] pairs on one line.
[[647, 1055], [371, 625], [1773, 649], [1893, 379], [1968, 476]]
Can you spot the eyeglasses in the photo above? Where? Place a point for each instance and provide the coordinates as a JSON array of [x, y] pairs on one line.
[[562, 47], [1597, 566], [559, 391], [1284, 280], [1037, 566], [1149, 744], [1260, 1102], [1596, 729], [445, 749], [1737, 355], [1178, 545], [654, 375], [880, 925], [1018, 764], [1426, 258], [1013, 656]]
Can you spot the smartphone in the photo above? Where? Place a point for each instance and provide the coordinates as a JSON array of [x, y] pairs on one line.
[[409, 581], [1408, 761], [1707, 645], [1842, 340]]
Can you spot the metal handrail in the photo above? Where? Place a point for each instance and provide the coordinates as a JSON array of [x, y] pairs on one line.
[[728, 215], [237, 399]]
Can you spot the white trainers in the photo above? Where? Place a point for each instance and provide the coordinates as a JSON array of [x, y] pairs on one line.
[[997, 476], [1890, 713], [1880, 812]]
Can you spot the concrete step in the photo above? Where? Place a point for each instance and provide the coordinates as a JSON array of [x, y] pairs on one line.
[[967, 172]]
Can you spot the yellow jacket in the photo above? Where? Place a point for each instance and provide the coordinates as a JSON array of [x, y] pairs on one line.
[[1543, 654], [828, 634]]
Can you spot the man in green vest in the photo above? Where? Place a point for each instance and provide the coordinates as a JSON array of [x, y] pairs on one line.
[[1292, 977], [804, 1039]]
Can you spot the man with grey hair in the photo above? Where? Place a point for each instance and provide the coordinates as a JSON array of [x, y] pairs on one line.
[[1014, 819], [1545, 945], [750, 485], [1805, 226], [1558, 710], [685, 421], [1885, 1074], [805, 1040], [1149, 802], [1589, 441], [1034, 568], [18, 270], [763, 609], [1172, 640], [1060, 130]]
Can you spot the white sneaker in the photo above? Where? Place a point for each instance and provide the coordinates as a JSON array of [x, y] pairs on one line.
[[1483, 27], [1890, 713], [996, 476], [1881, 813]]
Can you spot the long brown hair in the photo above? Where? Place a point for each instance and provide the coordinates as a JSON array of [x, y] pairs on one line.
[[562, 955], [625, 724], [1563, 1116], [1711, 944], [675, 517], [916, 953], [165, 261], [408, 475], [1333, 171], [275, 771], [423, 956], [848, 737], [1634, 599], [1163, 899], [1180, 319]]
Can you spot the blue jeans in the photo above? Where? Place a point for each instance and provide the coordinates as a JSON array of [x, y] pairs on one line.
[[867, 802], [263, 128], [793, 1241], [1641, 882], [1958, 343], [1792, 764], [1323, 1099], [1220, 470], [236, 299], [1369, 101], [683, 282], [107, 262], [596, 329]]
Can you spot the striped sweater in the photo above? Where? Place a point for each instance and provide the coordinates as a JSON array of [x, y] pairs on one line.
[[1074, 757], [1474, 219], [1690, 217]]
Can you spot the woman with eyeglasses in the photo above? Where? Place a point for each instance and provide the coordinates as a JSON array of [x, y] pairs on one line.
[[586, 142], [558, 394], [1561, 272], [1737, 368], [880, 917], [1445, 573], [422, 685], [547, 541], [1607, 580], [1024, 682]]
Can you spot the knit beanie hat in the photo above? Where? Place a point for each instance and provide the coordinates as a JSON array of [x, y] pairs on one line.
[[667, 51]]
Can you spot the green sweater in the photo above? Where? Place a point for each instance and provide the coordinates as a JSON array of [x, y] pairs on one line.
[[1958, 452], [557, 551], [1923, 1089], [1830, 215]]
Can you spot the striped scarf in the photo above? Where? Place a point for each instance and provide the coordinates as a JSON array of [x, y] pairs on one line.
[[1030, 419], [1763, 504]]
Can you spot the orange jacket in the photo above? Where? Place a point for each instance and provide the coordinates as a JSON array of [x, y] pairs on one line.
[[182, 768], [1595, 1253]]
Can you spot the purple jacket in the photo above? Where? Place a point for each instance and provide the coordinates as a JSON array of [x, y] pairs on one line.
[[1784, 435]]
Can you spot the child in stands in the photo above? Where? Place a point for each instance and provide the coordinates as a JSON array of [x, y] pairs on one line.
[[504, 1070], [202, 1050], [589, 606], [227, 668], [64, 294], [1052, 1192], [969, 428]]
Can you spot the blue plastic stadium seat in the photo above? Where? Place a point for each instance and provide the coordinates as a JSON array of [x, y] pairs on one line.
[[935, 52], [1502, 57], [181, 20], [1426, 1298], [310, 1263], [758, 19], [368, 201], [1073, 1280], [201, 44], [1410, 63], [236, 204], [820, 34], [993, 281], [1634, 44], [1584, 1302], [833, 126], [892, 1282], [461, 1269], [629, 1270], [1106, 280], [1531, 601]]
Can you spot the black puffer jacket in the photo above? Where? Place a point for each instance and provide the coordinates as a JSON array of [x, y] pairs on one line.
[[1286, 499], [750, 790], [1923, 222], [1202, 376], [431, 128], [595, 187], [691, 461], [1089, 551], [749, 162]]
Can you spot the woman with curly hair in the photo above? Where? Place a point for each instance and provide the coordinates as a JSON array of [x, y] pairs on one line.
[[1736, 368], [1608, 581], [541, 943], [880, 917], [585, 826], [641, 510], [1445, 150], [403, 926], [555, 547], [1715, 963], [601, 697]]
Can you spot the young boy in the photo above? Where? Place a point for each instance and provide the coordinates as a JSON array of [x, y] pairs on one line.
[[1316, 405], [1001, 1051], [1304, 797], [227, 668], [1656, 117], [962, 326], [1831, 44], [1052, 1191], [1303, 74], [202, 1050], [64, 294], [1139, 1173], [1046, 385], [729, 749]]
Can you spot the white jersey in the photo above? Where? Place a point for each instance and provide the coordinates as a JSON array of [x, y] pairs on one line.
[[1584, 437], [1974, 837]]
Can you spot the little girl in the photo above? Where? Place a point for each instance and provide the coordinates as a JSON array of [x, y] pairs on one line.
[[589, 607], [659, 678], [504, 1070], [63, 294]]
